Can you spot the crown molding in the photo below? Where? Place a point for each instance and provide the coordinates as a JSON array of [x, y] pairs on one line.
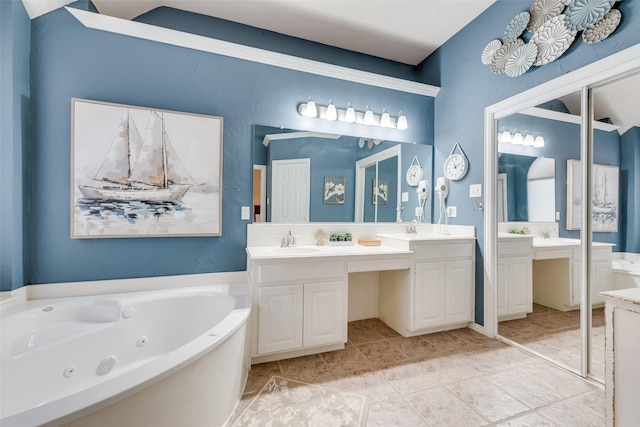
[[234, 50]]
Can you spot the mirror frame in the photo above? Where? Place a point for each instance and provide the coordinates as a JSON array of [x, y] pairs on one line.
[[361, 165], [594, 74]]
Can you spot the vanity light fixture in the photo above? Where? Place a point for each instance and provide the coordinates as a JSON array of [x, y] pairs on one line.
[[350, 115], [525, 138], [332, 113], [310, 109]]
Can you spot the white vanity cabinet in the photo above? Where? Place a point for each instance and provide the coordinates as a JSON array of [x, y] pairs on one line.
[[515, 283], [298, 305], [444, 284]]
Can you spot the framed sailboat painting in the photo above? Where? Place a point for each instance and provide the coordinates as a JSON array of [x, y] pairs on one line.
[[142, 172]]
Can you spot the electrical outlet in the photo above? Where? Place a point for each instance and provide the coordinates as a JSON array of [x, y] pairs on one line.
[[245, 213], [557, 216], [418, 211], [475, 190], [452, 211]]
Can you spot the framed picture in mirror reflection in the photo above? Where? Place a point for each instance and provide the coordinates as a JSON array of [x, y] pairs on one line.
[[334, 190], [380, 194], [605, 190]]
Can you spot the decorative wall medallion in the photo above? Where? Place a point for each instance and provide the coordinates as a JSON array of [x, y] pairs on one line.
[[489, 50], [521, 60], [603, 28], [582, 14], [516, 27], [542, 11], [552, 39], [502, 55]]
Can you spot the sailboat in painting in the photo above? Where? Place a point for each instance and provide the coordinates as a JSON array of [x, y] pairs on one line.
[[136, 168]]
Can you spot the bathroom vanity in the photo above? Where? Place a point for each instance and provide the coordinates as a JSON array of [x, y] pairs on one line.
[[622, 317], [424, 283]]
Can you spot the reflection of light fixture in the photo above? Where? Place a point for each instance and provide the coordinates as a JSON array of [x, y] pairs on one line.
[[402, 121], [350, 115], [369, 143], [332, 113], [526, 138], [517, 138], [505, 136]]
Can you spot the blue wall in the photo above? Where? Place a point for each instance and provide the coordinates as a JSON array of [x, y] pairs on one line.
[[468, 86], [630, 189], [15, 28], [69, 60]]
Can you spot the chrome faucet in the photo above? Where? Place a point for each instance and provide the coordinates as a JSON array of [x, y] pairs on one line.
[[411, 228], [546, 234], [288, 240]]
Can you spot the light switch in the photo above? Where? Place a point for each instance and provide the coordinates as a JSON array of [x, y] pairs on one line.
[[245, 213], [405, 196], [475, 190]]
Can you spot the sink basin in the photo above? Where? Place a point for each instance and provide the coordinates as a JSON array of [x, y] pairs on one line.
[[294, 250]]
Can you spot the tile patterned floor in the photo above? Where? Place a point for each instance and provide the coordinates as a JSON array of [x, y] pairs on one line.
[[556, 334], [454, 378]]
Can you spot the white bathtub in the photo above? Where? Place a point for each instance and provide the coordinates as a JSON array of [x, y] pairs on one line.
[[626, 273], [154, 358]]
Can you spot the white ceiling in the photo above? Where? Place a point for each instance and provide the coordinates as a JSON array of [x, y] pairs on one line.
[[405, 31]]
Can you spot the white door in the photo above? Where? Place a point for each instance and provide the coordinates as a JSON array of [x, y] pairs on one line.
[[324, 314], [290, 190]]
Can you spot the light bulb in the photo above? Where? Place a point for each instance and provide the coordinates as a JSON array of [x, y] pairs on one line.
[[385, 119], [505, 136], [517, 138], [538, 142], [368, 116], [350, 114], [402, 121], [528, 140], [311, 110], [332, 113]]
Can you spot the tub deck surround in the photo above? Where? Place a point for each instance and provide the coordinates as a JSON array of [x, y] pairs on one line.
[[622, 371], [422, 283], [119, 358]]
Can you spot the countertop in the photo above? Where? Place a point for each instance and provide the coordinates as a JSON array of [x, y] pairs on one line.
[[276, 252], [631, 295]]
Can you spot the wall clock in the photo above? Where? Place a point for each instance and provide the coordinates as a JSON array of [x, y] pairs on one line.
[[456, 165], [414, 172]]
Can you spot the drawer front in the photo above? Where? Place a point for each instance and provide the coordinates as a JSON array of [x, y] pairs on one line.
[[444, 251], [514, 248], [300, 272], [378, 265]]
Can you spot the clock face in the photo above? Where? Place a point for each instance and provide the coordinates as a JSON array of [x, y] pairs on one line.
[[455, 167], [414, 175]]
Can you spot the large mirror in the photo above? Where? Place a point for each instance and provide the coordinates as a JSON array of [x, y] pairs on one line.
[[302, 176], [550, 324]]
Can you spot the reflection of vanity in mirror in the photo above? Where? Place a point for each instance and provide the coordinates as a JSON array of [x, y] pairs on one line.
[[302, 176]]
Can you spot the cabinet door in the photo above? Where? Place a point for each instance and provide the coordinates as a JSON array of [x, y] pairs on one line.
[[458, 291], [602, 278], [279, 318], [502, 287], [324, 314], [429, 294], [520, 293]]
